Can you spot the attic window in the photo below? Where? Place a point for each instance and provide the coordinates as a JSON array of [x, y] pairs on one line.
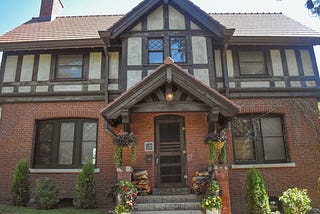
[[178, 49], [69, 66], [155, 50]]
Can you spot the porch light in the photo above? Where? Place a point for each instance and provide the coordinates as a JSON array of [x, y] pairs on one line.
[[169, 96]]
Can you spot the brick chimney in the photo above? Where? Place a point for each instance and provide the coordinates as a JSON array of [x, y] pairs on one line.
[[50, 9]]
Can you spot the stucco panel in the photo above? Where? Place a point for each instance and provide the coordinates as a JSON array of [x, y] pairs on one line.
[[27, 68], [155, 20], [95, 65], [44, 67], [10, 69], [199, 50], [134, 51]]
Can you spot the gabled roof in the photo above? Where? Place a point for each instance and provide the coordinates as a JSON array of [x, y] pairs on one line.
[[73, 31], [146, 6], [177, 76]]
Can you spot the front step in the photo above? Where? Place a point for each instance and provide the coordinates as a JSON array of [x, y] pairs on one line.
[[169, 212], [171, 191], [168, 200]]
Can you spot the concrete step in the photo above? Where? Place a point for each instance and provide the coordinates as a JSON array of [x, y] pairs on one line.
[[168, 206], [169, 212], [171, 191], [167, 198]]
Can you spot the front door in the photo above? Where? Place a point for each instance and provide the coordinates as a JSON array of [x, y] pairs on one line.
[[170, 149]]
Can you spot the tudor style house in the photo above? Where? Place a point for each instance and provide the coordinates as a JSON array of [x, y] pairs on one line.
[[170, 73]]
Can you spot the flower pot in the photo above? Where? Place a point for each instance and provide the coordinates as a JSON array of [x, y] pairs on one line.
[[213, 211]]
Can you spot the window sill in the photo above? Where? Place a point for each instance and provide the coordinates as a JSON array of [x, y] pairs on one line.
[[59, 170], [277, 165]]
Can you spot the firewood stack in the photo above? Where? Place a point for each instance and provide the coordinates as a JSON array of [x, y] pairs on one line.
[[199, 182], [141, 181]]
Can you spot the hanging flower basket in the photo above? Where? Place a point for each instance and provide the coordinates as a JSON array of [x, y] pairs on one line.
[[216, 141], [125, 139]]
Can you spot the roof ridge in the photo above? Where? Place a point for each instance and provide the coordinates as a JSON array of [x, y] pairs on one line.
[[101, 15], [244, 13]]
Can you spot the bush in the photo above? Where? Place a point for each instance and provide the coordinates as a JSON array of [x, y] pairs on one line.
[[257, 197], [126, 194], [47, 194], [295, 201], [20, 188], [86, 188]]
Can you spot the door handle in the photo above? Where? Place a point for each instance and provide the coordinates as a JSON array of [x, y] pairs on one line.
[[157, 160]]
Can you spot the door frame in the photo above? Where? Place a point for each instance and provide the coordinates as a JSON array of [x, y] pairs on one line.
[[181, 120]]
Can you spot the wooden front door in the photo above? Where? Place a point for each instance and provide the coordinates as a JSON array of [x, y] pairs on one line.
[[170, 150]]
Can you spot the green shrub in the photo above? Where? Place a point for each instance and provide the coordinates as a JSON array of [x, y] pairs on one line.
[[295, 201], [257, 197], [20, 188], [86, 188], [47, 194]]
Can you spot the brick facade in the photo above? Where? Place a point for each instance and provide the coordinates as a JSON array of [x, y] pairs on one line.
[[302, 145], [17, 135], [17, 138]]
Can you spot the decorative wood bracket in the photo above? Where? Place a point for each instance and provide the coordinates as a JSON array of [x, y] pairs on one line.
[[212, 118], [125, 115]]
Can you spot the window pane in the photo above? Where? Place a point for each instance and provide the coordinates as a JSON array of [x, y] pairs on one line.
[[252, 63], [178, 55], [67, 132], [43, 154], [244, 149], [69, 72], [89, 132], [88, 152], [69, 66], [66, 143], [65, 153], [271, 126], [155, 57], [243, 138], [273, 144], [178, 49], [155, 45], [274, 148], [89, 137], [252, 68]]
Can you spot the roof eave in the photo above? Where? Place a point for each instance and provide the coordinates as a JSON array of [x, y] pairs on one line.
[[274, 40], [51, 44]]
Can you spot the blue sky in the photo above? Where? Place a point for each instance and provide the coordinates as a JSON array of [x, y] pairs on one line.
[[15, 12]]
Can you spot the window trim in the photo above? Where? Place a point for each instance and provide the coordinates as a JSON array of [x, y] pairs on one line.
[[56, 66], [259, 148], [267, 63], [77, 144]]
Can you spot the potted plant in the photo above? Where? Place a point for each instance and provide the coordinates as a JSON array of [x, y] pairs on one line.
[[217, 145], [295, 200], [212, 204], [126, 194], [213, 188], [124, 139]]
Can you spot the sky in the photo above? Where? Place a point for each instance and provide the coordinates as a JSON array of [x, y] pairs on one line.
[[15, 12]]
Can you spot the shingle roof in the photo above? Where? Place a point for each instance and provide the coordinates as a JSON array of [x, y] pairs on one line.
[[87, 27], [263, 24], [62, 28]]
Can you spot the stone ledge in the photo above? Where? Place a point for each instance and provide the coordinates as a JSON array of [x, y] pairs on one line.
[[59, 170], [276, 165]]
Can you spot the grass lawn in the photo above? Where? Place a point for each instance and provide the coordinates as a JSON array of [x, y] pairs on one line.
[[25, 210]]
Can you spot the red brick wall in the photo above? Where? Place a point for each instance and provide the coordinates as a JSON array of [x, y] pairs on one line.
[[142, 124], [303, 149], [17, 136], [17, 130]]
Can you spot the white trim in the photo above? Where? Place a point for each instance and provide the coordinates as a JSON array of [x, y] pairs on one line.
[[59, 170], [276, 165]]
